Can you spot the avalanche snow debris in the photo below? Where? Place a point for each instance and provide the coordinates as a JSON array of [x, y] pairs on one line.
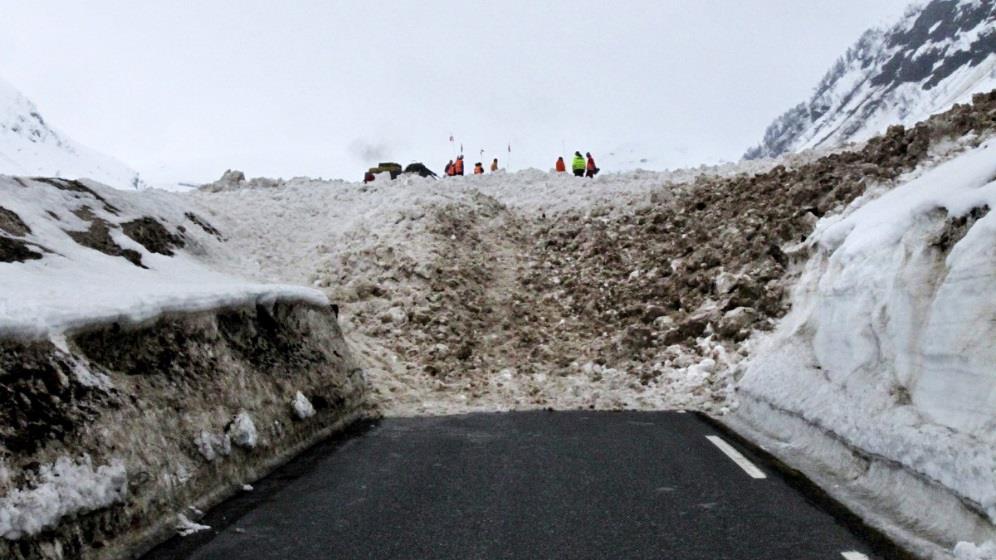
[[63, 488]]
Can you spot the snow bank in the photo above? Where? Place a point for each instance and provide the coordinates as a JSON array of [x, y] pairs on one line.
[[64, 488], [889, 344], [192, 407], [72, 285]]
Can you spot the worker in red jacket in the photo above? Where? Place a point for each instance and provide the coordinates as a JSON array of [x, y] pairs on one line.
[[591, 170], [458, 166]]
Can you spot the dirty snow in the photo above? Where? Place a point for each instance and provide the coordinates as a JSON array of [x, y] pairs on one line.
[[350, 238]]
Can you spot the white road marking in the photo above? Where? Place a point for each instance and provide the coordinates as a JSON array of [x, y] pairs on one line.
[[854, 555], [741, 461]]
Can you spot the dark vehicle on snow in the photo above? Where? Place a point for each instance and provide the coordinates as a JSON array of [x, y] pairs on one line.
[[395, 169]]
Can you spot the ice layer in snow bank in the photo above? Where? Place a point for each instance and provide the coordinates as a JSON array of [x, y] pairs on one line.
[[97, 255], [890, 341]]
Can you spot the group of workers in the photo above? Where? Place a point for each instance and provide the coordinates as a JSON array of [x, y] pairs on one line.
[[582, 166], [454, 168]]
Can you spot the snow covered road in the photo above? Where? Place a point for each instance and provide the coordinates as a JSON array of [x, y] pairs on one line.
[[525, 485]]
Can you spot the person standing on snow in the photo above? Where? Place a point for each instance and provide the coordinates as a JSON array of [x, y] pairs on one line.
[[449, 169], [458, 166], [561, 166], [478, 168], [578, 165], [590, 166], [494, 165]]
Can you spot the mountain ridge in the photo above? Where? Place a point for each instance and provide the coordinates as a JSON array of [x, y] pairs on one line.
[[29, 145], [938, 54]]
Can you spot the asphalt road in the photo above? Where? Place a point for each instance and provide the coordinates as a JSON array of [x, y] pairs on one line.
[[531, 485]]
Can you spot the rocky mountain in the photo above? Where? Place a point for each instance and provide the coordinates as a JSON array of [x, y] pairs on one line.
[[30, 146], [939, 54]]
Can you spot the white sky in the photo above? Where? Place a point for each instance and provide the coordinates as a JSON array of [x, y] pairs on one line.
[[182, 90]]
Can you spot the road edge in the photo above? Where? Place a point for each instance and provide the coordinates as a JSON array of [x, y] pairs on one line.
[[879, 542]]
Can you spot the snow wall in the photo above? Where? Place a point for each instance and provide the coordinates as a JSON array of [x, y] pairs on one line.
[[889, 351], [124, 427]]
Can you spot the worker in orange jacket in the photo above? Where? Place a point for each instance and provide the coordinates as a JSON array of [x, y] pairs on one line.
[[561, 166], [458, 166]]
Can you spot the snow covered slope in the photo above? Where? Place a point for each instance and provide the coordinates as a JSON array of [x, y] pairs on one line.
[[75, 253], [30, 146], [939, 54]]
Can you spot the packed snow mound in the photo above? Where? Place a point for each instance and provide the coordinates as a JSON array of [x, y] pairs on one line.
[[891, 330], [30, 146], [75, 252], [939, 54]]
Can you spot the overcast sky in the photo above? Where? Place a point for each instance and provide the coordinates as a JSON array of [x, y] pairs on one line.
[[183, 90]]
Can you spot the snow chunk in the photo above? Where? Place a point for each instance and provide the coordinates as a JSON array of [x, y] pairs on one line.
[[970, 551], [212, 445], [242, 431], [64, 488], [302, 406], [185, 527]]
